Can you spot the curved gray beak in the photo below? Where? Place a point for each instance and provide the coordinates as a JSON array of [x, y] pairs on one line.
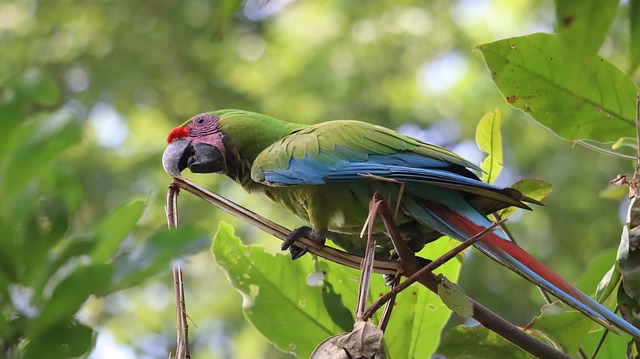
[[199, 157]]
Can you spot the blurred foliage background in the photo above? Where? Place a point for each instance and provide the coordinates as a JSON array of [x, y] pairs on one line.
[[128, 72]]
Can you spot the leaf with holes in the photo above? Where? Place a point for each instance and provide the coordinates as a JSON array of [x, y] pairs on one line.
[[276, 296], [531, 73]]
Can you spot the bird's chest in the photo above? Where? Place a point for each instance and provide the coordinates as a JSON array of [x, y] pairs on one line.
[[339, 207]]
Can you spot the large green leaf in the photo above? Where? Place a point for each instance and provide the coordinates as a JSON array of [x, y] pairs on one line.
[[419, 315], [564, 327], [582, 26], [531, 72], [277, 297], [477, 343]]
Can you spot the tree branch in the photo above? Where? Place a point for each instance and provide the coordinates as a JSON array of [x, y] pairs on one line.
[[482, 314]]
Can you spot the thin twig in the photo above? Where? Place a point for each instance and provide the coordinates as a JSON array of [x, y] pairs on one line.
[[484, 316], [182, 326], [366, 269], [604, 151], [388, 308], [429, 268], [602, 338]]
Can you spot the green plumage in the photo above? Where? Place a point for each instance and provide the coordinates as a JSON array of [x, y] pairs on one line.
[[259, 144]]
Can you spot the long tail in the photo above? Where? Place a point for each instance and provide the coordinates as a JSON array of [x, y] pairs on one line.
[[463, 223]]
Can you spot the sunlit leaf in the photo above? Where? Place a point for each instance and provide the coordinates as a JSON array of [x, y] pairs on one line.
[[582, 26], [273, 302], [531, 73], [531, 187], [477, 343], [563, 326], [454, 298], [614, 345], [276, 296], [625, 141], [489, 140]]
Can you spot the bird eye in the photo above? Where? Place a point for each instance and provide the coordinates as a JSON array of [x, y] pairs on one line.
[[201, 120]]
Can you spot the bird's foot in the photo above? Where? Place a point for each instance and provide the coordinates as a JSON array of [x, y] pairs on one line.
[[304, 231], [390, 278]]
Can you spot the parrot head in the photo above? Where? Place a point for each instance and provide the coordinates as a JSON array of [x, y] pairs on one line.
[[197, 144]]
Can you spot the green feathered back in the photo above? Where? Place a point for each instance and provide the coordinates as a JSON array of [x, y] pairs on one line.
[[362, 139]]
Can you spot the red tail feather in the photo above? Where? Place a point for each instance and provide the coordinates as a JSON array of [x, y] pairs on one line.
[[498, 245]]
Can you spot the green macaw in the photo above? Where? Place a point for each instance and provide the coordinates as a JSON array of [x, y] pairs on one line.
[[327, 173]]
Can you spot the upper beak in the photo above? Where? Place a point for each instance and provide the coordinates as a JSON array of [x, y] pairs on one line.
[[199, 157]]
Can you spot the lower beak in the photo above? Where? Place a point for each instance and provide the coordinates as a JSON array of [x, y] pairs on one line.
[[199, 157]]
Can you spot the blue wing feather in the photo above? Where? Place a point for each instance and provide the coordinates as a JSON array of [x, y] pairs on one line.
[[343, 164]]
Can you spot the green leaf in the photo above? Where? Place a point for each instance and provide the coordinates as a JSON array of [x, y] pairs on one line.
[[37, 144], [67, 340], [113, 229], [595, 272], [454, 298], [628, 259], [154, 255], [565, 327], [531, 73], [71, 293], [608, 284], [477, 342], [625, 141], [614, 348], [634, 38], [419, 315], [531, 187], [582, 26], [489, 140], [276, 297]]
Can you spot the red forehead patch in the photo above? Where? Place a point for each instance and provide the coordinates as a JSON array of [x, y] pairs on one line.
[[176, 133]]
